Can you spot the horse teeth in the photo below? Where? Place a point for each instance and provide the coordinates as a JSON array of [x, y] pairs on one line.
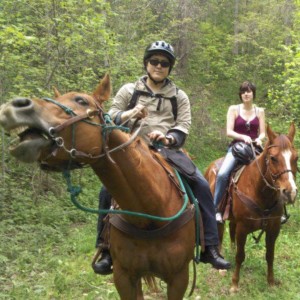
[[45, 136], [18, 130], [14, 142]]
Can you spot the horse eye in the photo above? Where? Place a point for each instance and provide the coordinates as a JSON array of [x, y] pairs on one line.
[[81, 101], [274, 159]]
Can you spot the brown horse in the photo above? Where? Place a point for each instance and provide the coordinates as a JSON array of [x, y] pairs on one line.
[[258, 197], [73, 130]]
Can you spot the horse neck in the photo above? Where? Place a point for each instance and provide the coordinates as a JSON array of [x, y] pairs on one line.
[[136, 180]]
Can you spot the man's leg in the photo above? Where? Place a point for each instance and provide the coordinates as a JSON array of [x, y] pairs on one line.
[[202, 193], [104, 265]]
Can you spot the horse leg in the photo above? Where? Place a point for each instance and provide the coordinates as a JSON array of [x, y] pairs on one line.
[[241, 238], [232, 228], [271, 237], [128, 288], [178, 284], [221, 228]]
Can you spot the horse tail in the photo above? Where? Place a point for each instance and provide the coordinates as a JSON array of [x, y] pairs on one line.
[[151, 283]]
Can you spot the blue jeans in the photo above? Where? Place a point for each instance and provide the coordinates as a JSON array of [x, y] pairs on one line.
[[223, 176]]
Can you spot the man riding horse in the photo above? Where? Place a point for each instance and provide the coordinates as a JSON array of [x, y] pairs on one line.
[[165, 110]]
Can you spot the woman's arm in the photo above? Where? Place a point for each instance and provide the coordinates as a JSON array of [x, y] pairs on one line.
[[262, 129]]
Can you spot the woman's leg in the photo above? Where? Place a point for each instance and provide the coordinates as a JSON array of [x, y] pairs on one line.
[[223, 177]]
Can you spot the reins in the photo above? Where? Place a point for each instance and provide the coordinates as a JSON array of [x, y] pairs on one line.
[[259, 169]]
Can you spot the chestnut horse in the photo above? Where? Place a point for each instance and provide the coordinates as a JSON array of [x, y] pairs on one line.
[[258, 197], [73, 130]]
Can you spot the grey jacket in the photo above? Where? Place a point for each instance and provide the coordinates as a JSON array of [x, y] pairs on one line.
[[160, 116]]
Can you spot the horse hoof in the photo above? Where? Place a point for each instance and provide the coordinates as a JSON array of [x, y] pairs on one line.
[[233, 290], [274, 283], [222, 272]]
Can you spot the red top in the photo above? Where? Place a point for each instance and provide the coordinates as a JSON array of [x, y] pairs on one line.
[[250, 128]]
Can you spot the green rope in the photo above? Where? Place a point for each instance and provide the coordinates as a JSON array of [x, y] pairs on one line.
[[196, 204], [75, 191]]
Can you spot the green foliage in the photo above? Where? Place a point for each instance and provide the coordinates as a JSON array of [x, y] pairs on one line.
[[284, 98], [46, 244]]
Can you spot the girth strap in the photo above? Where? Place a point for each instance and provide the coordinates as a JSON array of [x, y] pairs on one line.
[[263, 213], [120, 223]]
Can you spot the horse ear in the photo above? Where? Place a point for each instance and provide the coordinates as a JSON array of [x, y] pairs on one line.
[[56, 92], [271, 134], [292, 131], [103, 90]]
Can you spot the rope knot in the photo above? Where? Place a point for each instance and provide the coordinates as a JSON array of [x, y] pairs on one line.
[[74, 190], [107, 118]]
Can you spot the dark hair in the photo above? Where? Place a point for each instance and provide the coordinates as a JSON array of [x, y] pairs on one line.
[[246, 86]]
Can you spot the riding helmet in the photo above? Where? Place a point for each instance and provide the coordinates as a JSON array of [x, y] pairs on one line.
[[160, 47], [243, 153]]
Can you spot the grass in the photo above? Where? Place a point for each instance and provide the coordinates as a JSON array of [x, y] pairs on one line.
[[47, 246]]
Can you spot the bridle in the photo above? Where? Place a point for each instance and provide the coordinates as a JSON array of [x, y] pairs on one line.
[[105, 124], [274, 177]]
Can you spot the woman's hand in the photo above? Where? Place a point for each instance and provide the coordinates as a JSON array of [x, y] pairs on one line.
[[247, 139], [258, 142]]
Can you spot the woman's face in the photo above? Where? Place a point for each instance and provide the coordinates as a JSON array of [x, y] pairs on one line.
[[158, 67], [247, 96]]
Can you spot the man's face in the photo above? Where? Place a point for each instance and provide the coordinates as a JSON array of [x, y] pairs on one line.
[[158, 67]]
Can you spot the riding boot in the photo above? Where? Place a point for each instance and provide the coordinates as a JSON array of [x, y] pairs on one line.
[[212, 256], [104, 265]]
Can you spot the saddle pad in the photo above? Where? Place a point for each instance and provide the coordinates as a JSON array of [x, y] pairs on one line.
[[236, 175]]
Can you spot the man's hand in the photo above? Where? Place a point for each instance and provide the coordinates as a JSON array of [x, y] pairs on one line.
[[158, 136], [139, 111]]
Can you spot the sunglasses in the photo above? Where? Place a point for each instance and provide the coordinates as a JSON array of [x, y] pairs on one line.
[[247, 125], [156, 62]]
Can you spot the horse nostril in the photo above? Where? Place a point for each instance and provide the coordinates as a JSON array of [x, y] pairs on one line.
[[286, 192], [21, 102]]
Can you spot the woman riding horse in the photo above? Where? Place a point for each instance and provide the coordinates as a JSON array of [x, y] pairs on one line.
[[246, 123]]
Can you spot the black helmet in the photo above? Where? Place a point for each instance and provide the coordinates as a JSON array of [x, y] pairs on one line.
[[243, 153], [160, 47]]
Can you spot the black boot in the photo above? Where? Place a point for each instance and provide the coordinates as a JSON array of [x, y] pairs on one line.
[[213, 257], [104, 265]]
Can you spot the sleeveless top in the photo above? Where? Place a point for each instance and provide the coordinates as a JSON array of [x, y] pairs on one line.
[[249, 128]]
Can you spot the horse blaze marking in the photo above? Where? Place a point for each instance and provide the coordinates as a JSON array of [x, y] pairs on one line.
[[287, 156]]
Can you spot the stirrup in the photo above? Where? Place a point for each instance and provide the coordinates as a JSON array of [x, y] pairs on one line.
[[284, 218], [219, 218]]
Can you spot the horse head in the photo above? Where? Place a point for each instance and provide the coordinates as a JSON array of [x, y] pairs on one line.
[[281, 159], [53, 132]]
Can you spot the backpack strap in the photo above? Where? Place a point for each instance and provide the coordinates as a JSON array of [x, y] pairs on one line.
[[136, 94]]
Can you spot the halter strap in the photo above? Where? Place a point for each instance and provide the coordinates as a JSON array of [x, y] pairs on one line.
[[107, 126]]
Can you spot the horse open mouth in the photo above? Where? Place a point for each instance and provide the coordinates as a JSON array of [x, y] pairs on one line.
[[27, 143]]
